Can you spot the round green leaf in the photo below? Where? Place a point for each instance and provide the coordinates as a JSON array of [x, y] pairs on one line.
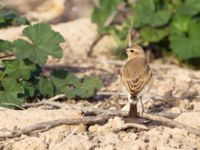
[[44, 40]]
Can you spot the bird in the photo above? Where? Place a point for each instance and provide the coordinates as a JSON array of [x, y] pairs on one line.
[[135, 74]]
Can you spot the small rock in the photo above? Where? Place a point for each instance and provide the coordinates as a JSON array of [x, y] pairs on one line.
[[113, 123]]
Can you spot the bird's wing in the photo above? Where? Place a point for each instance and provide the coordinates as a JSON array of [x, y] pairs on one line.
[[136, 73]]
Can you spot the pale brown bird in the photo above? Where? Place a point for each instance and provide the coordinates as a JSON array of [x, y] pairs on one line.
[[135, 75]]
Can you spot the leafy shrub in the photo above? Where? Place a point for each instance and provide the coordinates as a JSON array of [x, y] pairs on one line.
[[21, 79], [176, 23], [8, 18]]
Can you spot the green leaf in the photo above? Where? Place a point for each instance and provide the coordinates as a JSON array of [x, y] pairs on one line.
[[65, 82], [6, 46], [145, 5], [8, 18], [180, 24], [19, 68], [74, 87], [44, 40], [92, 82], [146, 14], [29, 89], [2, 20], [185, 48], [159, 18], [70, 92], [59, 76], [10, 94], [2, 75], [143, 10], [187, 45], [8, 15], [194, 30], [152, 34], [89, 86], [21, 20], [189, 7], [46, 87], [106, 8]]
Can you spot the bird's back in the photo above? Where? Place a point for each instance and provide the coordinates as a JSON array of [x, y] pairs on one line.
[[135, 74]]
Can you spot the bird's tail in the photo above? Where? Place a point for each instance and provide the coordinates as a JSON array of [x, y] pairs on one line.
[[133, 111], [133, 107]]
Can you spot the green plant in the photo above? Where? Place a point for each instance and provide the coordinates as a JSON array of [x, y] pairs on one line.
[[8, 18], [22, 79], [171, 25]]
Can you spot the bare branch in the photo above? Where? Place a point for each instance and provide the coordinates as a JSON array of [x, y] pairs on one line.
[[107, 23], [55, 105], [112, 93], [6, 56], [171, 123], [60, 96], [130, 37], [44, 126], [97, 111]]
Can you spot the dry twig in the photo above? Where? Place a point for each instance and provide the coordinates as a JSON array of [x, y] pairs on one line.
[[6, 56], [171, 123], [55, 105], [92, 110], [112, 93], [101, 116], [49, 102], [44, 126], [60, 96], [97, 111], [154, 117], [107, 23]]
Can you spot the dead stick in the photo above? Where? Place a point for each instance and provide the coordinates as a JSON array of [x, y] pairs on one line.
[[111, 93], [97, 111], [49, 101], [60, 96], [96, 40], [6, 56], [171, 123], [99, 37], [44, 126], [92, 110], [55, 105]]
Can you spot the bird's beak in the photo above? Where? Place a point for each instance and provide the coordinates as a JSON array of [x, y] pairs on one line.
[[128, 50]]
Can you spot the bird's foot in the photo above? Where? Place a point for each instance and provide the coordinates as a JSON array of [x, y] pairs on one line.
[[140, 106]]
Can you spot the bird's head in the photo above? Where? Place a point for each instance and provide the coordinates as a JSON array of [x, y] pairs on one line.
[[135, 51]]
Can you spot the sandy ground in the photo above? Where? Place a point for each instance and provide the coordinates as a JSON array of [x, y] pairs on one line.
[[174, 90]]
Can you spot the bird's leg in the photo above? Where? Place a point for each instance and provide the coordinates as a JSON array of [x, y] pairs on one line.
[[132, 107], [142, 106]]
